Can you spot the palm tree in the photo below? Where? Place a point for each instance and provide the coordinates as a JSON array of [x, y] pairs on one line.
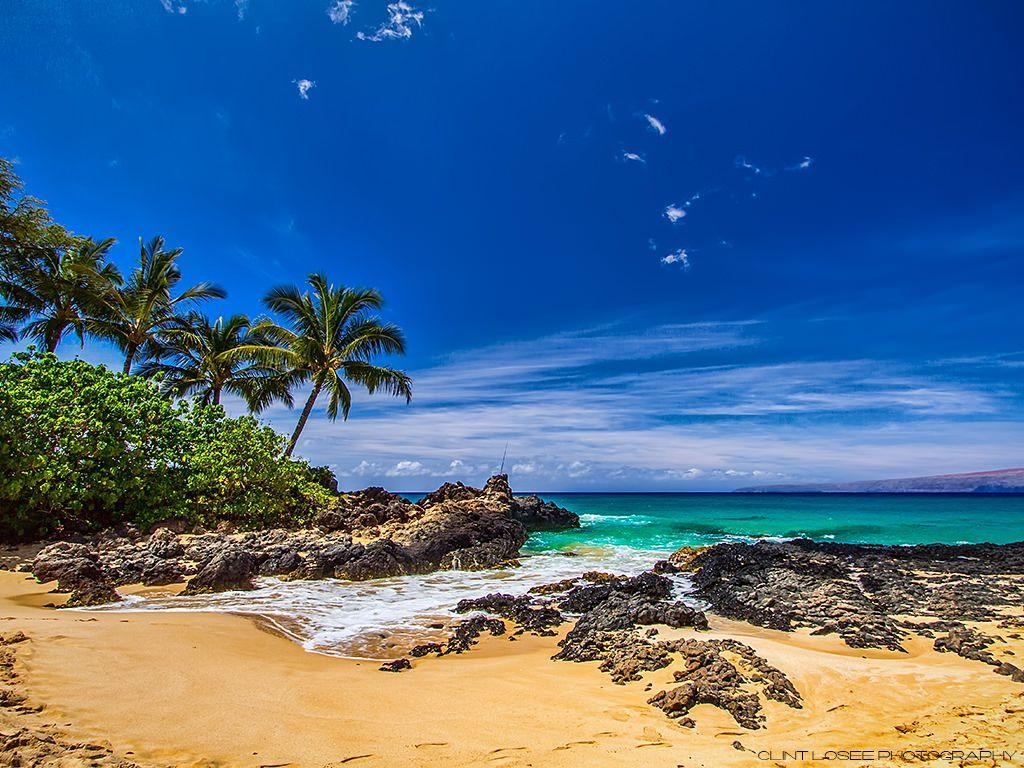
[[330, 341], [203, 358], [27, 235], [56, 291], [136, 313]]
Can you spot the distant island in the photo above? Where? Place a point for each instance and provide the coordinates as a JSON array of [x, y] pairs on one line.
[[992, 481]]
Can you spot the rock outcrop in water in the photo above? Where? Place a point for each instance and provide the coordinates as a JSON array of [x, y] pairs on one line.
[[370, 534]]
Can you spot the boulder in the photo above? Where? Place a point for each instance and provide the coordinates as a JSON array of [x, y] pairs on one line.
[[539, 515], [77, 570], [463, 529], [230, 569], [164, 544], [379, 559]]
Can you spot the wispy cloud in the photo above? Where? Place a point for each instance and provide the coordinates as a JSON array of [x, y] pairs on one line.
[[685, 406], [655, 124], [669, 406], [403, 18], [340, 11], [174, 7], [680, 257], [674, 212], [741, 162], [802, 165], [304, 86], [632, 157]]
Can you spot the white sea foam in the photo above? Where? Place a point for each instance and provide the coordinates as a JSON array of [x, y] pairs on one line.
[[384, 617]]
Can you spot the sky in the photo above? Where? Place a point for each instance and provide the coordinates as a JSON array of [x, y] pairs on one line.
[[661, 245]]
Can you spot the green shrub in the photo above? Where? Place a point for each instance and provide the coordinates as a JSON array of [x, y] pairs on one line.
[[82, 447]]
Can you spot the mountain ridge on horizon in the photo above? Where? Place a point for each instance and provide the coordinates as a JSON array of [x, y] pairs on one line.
[[985, 481]]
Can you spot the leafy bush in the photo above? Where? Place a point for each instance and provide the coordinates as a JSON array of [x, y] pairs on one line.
[[82, 447]]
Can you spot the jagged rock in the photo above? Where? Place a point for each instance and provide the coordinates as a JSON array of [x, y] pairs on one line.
[[972, 644], [230, 569], [476, 531], [395, 666], [683, 557], [521, 610], [278, 560], [856, 591], [585, 598], [449, 492], [326, 557], [88, 593], [539, 515], [158, 572], [77, 570], [62, 561], [466, 633], [711, 678], [379, 559], [425, 649], [164, 544]]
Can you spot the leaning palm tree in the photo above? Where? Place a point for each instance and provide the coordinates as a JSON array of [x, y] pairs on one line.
[[329, 341], [136, 313], [56, 291], [205, 359]]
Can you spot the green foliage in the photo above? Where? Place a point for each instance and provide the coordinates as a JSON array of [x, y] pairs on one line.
[[82, 447]]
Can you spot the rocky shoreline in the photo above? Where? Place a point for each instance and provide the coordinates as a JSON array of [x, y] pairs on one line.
[[371, 534], [871, 597]]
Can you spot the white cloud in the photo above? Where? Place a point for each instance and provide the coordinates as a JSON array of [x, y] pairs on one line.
[[402, 18], [687, 406], [241, 6], [408, 468], [674, 213], [680, 257], [304, 87], [656, 125], [632, 157], [803, 165], [340, 11]]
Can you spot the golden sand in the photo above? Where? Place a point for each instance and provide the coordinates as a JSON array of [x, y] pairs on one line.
[[195, 689]]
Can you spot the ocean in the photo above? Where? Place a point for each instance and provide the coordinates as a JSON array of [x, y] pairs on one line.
[[620, 533]]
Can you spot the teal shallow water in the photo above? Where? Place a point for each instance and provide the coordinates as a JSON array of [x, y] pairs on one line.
[[667, 521]]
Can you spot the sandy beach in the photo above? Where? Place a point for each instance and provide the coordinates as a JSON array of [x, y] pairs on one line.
[[191, 689]]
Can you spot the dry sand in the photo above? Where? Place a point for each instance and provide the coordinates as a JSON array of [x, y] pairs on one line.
[[192, 689]]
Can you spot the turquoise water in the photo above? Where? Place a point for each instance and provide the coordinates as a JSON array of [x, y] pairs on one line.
[[667, 521]]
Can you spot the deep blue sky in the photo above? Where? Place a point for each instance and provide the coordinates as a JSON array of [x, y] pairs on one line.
[[843, 298]]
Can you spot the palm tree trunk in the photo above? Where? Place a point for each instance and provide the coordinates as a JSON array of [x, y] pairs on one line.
[[216, 395], [129, 357], [306, 409]]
